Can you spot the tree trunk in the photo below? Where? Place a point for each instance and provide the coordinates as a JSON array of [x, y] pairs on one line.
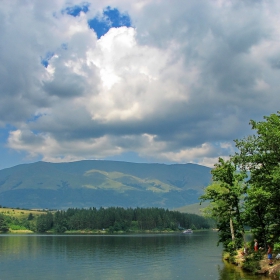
[[231, 229]]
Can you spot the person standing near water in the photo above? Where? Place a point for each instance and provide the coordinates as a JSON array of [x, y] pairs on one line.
[[256, 246], [269, 254]]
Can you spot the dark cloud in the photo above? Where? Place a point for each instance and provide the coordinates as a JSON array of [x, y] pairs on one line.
[[68, 85], [177, 87]]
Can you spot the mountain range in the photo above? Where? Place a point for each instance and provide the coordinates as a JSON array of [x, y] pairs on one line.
[[101, 183]]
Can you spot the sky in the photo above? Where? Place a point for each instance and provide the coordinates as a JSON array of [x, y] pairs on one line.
[[154, 81]]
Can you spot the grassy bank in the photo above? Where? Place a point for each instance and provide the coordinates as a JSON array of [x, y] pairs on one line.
[[20, 220], [255, 263], [21, 213]]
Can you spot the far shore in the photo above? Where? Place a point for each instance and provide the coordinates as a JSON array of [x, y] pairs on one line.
[[22, 231]]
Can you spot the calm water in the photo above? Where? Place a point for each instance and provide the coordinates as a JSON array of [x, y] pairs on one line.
[[142, 256]]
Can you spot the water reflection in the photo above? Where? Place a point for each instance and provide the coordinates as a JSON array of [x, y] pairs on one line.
[[139, 256], [231, 272]]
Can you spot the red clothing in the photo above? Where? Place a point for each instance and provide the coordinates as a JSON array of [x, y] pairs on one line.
[[256, 246]]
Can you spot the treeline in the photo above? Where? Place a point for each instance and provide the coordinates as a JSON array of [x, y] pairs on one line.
[[114, 219]]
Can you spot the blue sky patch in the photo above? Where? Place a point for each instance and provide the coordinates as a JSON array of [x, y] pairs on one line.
[[109, 18], [34, 118], [77, 9], [64, 46], [45, 60]]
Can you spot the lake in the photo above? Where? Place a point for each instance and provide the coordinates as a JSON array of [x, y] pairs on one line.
[[120, 257]]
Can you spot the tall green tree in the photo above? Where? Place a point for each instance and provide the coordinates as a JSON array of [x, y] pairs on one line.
[[259, 154], [44, 222], [3, 223], [226, 195]]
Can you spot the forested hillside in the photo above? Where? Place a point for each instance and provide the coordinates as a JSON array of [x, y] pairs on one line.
[[112, 219]]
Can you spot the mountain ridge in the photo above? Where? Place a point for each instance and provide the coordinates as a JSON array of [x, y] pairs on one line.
[[102, 183]]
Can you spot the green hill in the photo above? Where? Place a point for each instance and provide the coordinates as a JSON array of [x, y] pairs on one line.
[[195, 208], [96, 183]]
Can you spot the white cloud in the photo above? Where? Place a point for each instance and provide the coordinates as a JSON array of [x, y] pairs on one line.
[[202, 155], [178, 86], [136, 80]]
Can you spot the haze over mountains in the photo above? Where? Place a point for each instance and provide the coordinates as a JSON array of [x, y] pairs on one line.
[[97, 183]]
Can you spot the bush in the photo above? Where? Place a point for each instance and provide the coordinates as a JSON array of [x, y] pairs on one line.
[[17, 227], [3, 223], [276, 247], [251, 263], [60, 229], [231, 248]]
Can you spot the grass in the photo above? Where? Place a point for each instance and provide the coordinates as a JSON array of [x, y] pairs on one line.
[[20, 220], [193, 208], [20, 213]]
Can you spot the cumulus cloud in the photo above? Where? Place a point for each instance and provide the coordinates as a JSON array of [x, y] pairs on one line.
[[172, 83]]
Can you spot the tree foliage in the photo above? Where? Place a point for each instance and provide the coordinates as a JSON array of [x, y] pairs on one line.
[[225, 195], [260, 155], [44, 222], [119, 219], [3, 224], [251, 200]]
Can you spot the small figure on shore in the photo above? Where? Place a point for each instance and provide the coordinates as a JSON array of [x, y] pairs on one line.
[[245, 251], [269, 254], [256, 245]]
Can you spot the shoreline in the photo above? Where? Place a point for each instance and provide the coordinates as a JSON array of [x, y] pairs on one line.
[[262, 267], [85, 232]]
